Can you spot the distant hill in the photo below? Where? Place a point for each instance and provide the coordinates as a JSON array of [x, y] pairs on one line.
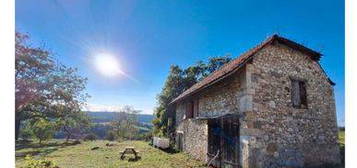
[[103, 117]]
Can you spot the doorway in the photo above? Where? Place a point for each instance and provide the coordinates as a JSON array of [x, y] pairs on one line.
[[180, 141], [223, 141]]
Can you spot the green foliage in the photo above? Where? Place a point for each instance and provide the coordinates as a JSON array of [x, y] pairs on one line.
[[42, 129], [90, 137], [33, 163], [26, 132], [74, 124], [111, 136], [125, 125], [44, 88], [341, 143], [145, 136], [176, 83]]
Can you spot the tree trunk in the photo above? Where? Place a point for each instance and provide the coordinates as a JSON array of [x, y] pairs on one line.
[[67, 138], [17, 128], [68, 133]]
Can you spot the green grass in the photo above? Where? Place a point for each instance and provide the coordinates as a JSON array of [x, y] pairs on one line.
[[341, 143], [81, 155], [341, 137]]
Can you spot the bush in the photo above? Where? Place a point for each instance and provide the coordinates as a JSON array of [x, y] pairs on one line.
[[145, 136], [111, 136], [33, 163], [43, 130], [90, 137], [26, 131]]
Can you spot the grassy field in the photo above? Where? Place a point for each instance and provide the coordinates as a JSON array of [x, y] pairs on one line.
[[341, 137], [341, 143], [81, 155]]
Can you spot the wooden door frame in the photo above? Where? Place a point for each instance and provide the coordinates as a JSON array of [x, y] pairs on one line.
[[220, 122]]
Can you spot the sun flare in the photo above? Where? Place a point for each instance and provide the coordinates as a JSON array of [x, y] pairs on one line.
[[107, 65]]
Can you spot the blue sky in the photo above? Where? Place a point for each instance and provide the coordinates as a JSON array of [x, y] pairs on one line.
[[148, 36]]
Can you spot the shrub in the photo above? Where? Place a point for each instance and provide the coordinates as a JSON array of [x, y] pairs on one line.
[[145, 136], [26, 131], [111, 136], [90, 137], [33, 163], [42, 130]]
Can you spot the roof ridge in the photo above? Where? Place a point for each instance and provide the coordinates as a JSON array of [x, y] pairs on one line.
[[241, 60]]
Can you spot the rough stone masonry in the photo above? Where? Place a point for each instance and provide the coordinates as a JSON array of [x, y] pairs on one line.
[[285, 102]]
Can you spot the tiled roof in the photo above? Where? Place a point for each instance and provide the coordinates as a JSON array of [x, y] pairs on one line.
[[237, 63]]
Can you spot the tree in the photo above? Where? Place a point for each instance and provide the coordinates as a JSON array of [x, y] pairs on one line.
[[176, 83], [74, 124], [125, 125], [111, 135], [44, 88], [42, 129]]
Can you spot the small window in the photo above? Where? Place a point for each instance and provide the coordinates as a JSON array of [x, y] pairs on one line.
[[195, 108], [298, 93], [189, 109], [192, 109]]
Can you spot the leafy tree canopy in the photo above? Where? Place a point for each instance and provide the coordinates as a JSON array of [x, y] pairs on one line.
[[177, 82], [44, 88]]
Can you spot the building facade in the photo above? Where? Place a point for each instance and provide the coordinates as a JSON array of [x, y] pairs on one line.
[[271, 107]]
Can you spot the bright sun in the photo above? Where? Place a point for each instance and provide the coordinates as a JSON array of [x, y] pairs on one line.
[[107, 65]]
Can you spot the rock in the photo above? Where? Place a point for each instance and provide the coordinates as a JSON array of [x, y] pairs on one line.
[[95, 148], [76, 142], [109, 144]]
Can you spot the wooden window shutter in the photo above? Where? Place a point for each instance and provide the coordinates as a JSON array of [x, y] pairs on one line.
[[295, 93], [197, 108], [298, 93], [303, 95], [189, 109], [192, 109]]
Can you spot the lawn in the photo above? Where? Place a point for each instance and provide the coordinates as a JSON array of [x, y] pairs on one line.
[[341, 137], [81, 155], [67, 155], [341, 143]]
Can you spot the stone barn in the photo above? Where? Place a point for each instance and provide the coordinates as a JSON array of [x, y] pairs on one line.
[[271, 107]]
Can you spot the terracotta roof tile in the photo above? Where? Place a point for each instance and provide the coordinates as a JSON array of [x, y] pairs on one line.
[[237, 63]]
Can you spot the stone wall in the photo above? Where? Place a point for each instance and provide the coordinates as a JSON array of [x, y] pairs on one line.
[[195, 135], [221, 98], [279, 134], [272, 132], [226, 96]]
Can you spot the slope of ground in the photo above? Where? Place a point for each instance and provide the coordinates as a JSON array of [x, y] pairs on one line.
[[81, 155]]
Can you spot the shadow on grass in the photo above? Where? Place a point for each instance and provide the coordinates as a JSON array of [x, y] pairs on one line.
[[40, 149], [43, 152], [134, 159], [170, 150], [29, 144]]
